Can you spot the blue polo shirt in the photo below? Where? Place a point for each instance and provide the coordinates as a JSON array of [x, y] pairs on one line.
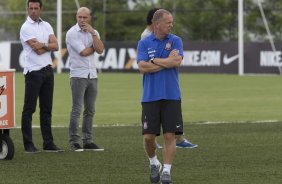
[[164, 84]]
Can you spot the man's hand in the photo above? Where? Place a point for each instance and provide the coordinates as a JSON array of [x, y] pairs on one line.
[[173, 60], [35, 44], [88, 28], [173, 53]]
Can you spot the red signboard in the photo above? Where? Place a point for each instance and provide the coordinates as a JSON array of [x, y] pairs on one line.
[[7, 99]]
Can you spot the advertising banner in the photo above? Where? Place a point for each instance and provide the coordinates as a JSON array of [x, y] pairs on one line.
[[7, 99], [199, 57], [210, 57], [260, 58]]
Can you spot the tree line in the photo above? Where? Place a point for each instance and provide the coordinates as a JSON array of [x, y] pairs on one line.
[[194, 20]]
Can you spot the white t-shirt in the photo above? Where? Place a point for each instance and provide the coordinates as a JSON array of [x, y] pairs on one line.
[[146, 33], [41, 31]]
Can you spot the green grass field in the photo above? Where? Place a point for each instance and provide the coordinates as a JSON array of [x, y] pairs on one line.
[[215, 98], [236, 121]]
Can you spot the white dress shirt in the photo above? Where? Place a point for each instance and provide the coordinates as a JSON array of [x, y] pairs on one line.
[[41, 31], [77, 40]]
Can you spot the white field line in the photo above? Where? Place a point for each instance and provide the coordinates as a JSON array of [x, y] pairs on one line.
[[105, 125], [224, 122], [138, 125]]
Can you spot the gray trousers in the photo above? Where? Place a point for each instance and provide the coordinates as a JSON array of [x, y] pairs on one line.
[[84, 92]]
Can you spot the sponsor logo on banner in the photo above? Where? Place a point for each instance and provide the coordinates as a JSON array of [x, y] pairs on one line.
[[123, 58], [228, 60], [270, 58], [6, 100], [3, 96], [202, 58], [114, 58]]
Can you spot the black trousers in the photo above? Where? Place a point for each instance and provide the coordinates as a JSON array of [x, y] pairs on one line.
[[38, 84]]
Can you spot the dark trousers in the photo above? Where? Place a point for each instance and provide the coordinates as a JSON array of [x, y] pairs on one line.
[[38, 84]]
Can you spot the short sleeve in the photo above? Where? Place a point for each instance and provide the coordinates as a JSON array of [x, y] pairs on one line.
[[142, 54], [178, 45], [49, 28], [26, 34]]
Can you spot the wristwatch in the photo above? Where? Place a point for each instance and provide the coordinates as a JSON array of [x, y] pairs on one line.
[[45, 45], [152, 60], [94, 34]]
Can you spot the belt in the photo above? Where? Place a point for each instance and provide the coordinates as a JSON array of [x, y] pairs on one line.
[[48, 67]]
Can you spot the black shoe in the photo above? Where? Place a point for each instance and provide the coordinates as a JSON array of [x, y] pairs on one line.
[[52, 148], [92, 147], [76, 147], [31, 149]]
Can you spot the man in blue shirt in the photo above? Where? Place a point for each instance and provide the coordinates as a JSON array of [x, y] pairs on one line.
[[181, 141], [159, 56]]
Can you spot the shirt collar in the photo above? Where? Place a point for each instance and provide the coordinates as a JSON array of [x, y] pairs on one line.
[[32, 21], [153, 37], [77, 27]]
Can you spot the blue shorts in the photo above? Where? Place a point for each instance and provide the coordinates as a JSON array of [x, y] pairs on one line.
[[165, 114]]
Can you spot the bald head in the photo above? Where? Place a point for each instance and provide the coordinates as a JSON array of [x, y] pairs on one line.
[[83, 9], [83, 16]]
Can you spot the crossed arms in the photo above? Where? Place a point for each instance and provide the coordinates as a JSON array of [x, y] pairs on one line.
[[41, 48], [172, 61], [98, 47]]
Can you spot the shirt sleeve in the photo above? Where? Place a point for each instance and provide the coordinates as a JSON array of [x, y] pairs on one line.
[[179, 45], [74, 42], [49, 29], [142, 54], [26, 34]]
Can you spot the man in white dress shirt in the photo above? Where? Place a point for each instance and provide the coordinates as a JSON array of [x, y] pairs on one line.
[[38, 40], [82, 42]]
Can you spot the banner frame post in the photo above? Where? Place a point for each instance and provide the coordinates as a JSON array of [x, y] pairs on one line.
[[241, 37]]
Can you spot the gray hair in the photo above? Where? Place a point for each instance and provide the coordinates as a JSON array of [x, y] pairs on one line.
[[158, 15]]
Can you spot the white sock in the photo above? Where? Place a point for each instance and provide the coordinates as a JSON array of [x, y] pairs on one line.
[[154, 160], [167, 168]]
